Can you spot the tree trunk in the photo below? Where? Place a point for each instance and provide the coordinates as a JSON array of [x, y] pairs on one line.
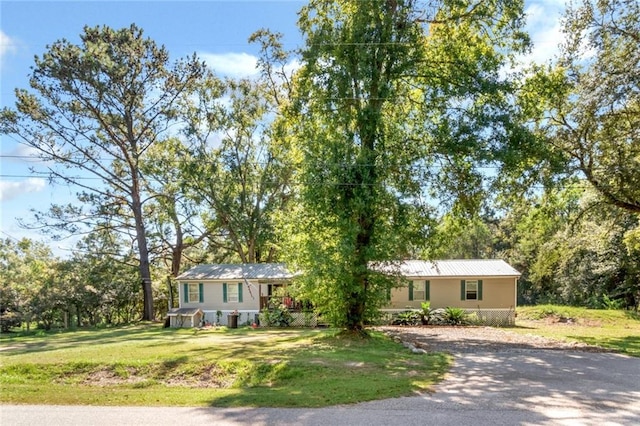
[[358, 300], [170, 288], [364, 197], [143, 251]]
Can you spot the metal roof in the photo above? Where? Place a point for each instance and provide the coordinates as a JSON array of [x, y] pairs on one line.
[[249, 271], [452, 268]]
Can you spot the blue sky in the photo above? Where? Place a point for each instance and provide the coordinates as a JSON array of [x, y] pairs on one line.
[[216, 30]]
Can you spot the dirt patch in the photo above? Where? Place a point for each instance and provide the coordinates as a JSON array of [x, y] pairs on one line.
[[209, 376], [478, 339], [106, 377], [562, 320]]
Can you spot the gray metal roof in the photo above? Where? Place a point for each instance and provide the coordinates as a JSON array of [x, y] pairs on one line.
[[452, 268], [407, 268], [249, 271]]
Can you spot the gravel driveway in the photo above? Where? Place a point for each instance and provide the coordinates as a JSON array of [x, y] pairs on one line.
[[457, 340], [503, 377]]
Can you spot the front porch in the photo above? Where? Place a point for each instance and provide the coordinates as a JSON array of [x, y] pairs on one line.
[[293, 305]]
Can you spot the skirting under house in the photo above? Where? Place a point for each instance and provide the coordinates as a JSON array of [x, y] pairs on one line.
[[487, 317]]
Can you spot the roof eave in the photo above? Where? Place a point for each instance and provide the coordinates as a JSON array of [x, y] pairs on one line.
[[463, 276]]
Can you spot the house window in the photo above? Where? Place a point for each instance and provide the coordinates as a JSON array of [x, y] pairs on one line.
[[471, 290], [419, 290], [232, 293], [193, 293]]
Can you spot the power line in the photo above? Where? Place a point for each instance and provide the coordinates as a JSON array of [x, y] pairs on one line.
[[318, 184], [10, 236], [252, 163]]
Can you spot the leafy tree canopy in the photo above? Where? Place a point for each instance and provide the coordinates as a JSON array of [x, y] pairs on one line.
[[397, 104], [588, 107]]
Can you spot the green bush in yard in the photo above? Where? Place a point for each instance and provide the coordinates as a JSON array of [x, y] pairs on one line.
[[278, 317], [431, 316], [407, 318], [455, 316]]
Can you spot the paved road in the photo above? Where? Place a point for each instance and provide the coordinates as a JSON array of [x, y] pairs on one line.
[[527, 387]]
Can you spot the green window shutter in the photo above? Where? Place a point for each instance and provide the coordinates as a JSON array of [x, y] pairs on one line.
[[239, 292], [427, 290], [200, 293], [462, 290], [185, 293], [389, 293], [411, 290], [479, 289], [224, 292]]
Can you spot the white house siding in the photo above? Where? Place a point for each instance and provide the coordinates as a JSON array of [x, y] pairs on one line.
[[213, 297]]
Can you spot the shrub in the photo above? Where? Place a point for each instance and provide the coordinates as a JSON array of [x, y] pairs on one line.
[[609, 303], [455, 316], [9, 319], [278, 317], [431, 316], [407, 318]]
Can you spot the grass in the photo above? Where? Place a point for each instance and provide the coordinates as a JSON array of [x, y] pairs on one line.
[[149, 365], [615, 330]]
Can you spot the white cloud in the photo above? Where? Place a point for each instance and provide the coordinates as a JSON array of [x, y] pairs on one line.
[[22, 150], [232, 64], [10, 190], [547, 44], [7, 46], [292, 67], [543, 24]]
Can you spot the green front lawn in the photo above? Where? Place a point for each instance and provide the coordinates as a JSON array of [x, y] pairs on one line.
[[149, 365], [615, 330]]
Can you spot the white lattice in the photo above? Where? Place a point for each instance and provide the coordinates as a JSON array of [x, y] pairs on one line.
[[492, 317]]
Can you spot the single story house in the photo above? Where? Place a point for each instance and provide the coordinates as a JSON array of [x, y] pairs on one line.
[[219, 290], [486, 288]]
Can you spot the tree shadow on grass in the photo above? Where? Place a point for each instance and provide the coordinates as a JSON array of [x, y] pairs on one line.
[[56, 340], [533, 387], [322, 385]]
